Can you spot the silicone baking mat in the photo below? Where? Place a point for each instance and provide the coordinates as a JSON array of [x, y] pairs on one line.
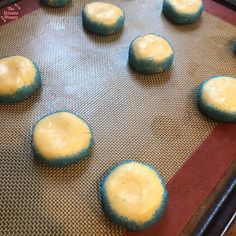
[[151, 118]]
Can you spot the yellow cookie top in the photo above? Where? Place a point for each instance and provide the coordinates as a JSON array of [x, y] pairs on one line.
[[187, 6], [220, 92], [15, 73], [61, 134], [134, 191], [103, 13], [152, 46]]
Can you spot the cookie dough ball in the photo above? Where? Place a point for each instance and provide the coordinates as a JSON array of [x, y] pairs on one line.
[[183, 11], [103, 18], [55, 3], [133, 195], [150, 54], [19, 78], [61, 138], [217, 98]]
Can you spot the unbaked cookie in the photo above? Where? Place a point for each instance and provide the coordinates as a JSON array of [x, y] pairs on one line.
[[55, 3], [103, 18], [19, 78], [150, 54], [183, 11], [133, 195], [217, 98], [61, 138]]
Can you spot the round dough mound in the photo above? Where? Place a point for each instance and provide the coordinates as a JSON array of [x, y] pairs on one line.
[[183, 11], [55, 3], [19, 78], [61, 138], [216, 98], [133, 195], [103, 18], [150, 54]]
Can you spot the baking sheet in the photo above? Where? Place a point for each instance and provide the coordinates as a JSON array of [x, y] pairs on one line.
[[151, 118]]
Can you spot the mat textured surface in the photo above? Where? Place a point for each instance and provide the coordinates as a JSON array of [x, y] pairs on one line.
[[151, 118]]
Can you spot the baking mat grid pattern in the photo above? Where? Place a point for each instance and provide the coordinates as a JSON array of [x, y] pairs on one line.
[[149, 118]]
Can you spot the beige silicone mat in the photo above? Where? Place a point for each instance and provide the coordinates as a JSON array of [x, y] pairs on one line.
[[151, 118]]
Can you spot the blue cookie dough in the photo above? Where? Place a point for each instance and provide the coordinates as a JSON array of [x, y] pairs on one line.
[[234, 47], [148, 64], [100, 27], [178, 17], [23, 92], [211, 110], [55, 3], [124, 221], [61, 161]]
